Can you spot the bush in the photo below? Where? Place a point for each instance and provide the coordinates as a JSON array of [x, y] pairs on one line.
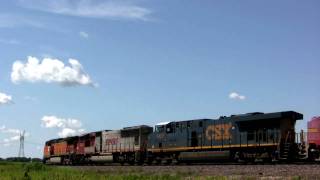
[[34, 167]]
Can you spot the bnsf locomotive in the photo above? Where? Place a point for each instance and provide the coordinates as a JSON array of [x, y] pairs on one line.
[[246, 137]]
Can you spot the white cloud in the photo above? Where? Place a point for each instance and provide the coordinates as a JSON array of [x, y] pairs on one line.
[[236, 96], [84, 34], [50, 71], [81, 130], [68, 127], [67, 132], [14, 135], [91, 8], [53, 121], [5, 99]]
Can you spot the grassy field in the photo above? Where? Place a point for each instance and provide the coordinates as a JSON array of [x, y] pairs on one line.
[[9, 170]]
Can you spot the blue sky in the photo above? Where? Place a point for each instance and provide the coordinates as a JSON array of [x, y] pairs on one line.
[[144, 62]]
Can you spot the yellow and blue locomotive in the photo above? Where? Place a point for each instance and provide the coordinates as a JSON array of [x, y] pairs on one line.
[[252, 136]]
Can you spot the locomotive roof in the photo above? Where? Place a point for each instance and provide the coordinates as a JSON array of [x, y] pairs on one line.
[[258, 116], [251, 117], [165, 123], [136, 127], [73, 137], [61, 139]]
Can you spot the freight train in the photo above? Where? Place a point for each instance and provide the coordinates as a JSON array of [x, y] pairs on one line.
[[247, 137]]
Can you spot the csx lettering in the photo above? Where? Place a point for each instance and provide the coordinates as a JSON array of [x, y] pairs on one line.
[[219, 132]]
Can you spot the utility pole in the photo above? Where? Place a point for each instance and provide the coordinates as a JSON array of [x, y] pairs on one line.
[[21, 148]]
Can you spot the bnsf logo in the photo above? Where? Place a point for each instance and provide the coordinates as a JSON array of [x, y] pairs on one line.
[[112, 141]]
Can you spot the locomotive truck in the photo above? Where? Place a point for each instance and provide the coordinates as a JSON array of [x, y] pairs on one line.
[[246, 137]]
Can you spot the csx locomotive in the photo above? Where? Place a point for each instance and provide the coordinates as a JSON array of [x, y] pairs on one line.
[[246, 137]]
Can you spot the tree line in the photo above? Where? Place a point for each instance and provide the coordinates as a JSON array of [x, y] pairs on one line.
[[21, 159]]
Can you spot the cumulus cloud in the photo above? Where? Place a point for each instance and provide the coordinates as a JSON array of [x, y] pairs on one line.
[[5, 99], [91, 8], [50, 70], [53, 121], [83, 34], [67, 127], [236, 96], [67, 132]]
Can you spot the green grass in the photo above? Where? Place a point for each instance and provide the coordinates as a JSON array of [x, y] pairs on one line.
[[39, 171]]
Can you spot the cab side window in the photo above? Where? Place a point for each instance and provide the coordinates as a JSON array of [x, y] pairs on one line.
[[159, 129]]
